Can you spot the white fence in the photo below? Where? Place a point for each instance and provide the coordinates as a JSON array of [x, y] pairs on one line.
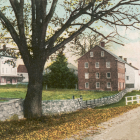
[[137, 99]]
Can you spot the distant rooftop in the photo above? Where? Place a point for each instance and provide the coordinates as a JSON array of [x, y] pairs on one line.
[[22, 69]]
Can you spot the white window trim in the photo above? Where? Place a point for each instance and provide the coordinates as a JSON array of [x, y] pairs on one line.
[[88, 85], [86, 75], [110, 75], [85, 65], [96, 84], [107, 84], [107, 65], [91, 54], [98, 63], [102, 53], [95, 75]]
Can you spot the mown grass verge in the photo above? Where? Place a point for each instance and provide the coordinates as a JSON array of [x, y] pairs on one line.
[[58, 126], [13, 91]]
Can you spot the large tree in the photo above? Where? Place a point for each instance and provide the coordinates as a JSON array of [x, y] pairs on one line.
[[31, 21]]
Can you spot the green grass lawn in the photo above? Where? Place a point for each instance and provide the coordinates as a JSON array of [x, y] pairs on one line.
[[13, 91]]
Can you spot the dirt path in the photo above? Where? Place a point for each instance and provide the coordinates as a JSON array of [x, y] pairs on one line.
[[123, 127]]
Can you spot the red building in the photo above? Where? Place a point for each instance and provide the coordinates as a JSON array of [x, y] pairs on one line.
[[100, 69]]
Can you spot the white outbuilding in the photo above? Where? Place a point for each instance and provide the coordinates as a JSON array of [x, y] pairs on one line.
[[132, 77]]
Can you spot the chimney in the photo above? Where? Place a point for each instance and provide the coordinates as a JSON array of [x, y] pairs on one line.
[[130, 63], [125, 59], [121, 57], [102, 44]]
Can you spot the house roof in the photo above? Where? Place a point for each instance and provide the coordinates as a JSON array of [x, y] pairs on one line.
[[22, 69], [117, 57]]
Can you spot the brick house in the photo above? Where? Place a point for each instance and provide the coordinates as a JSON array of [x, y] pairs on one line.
[[100, 69]]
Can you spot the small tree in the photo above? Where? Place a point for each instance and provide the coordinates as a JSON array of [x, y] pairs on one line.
[[59, 75]]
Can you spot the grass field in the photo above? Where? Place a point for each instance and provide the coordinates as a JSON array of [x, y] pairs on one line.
[[13, 91], [59, 126]]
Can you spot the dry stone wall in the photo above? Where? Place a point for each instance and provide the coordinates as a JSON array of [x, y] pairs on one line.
[[15, 106], [10, 108]]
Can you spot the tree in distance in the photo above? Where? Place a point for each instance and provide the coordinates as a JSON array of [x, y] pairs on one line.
[[59, 75]]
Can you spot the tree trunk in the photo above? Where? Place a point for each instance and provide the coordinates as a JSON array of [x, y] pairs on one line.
[[33, 99]]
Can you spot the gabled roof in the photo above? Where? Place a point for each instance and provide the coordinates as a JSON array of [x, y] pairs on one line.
[[22, 69], [117, 57], [132, 66]]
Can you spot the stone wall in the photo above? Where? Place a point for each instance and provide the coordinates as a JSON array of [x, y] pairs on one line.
[[106, 100], [60, 106], [15, 106], [11, 107]]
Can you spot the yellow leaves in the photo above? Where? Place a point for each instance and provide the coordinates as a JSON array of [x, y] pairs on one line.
[[53, 128]]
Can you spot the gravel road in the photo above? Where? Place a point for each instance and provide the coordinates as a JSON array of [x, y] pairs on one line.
[[122, 127]]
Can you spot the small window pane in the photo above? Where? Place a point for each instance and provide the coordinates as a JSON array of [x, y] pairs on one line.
[[127, 77], [86, 85], [102, 53], [108, 85], [97, 75], [86, 75], [97, 85], [97, 65], [91, 54], [108, 75], [86, 64], [108, 64]]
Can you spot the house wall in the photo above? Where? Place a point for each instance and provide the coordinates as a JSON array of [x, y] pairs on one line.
[[8, 73], [131, 73], [25, 75], [7, 69], [121, 75], [137, 80], [102, 70]]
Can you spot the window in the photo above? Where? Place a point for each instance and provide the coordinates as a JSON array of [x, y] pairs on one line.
[[108, 75], [97, 84], [97, 75], [107, 64], [86, 64], [87, 85], [108, 85], [127, 77], [2, 80], [102, 53], [91, 54], [2, 70], [86, 75], [97, 65]]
